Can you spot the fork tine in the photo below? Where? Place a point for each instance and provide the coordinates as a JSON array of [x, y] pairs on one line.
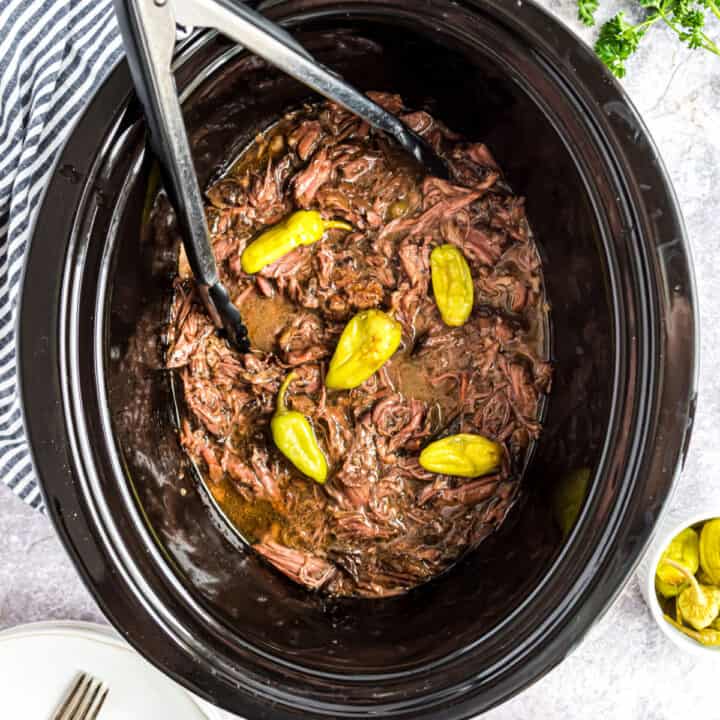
[[99, 704], [81, 712], [69, 698], [78, 699], [81, 695]]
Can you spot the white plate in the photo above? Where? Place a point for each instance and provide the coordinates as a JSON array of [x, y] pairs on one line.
[[38, 662]]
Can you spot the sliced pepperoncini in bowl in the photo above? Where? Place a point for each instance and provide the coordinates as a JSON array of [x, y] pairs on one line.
[[707, 636], [697, 605], [683, 552], [710, 550], [681, 588]]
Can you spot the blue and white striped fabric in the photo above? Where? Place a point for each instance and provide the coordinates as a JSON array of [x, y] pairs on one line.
[[53, 55]]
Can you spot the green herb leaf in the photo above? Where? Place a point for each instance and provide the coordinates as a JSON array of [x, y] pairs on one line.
[[618, 40], [586, 11]]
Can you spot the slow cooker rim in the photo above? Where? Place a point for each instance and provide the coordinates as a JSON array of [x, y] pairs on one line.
[[56, 512]]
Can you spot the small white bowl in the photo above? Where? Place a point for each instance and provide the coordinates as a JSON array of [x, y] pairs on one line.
[[646, 575]]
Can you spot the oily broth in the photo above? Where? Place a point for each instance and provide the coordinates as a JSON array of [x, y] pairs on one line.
[[265, 318]]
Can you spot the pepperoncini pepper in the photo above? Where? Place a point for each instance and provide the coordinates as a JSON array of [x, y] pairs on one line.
[[452, 284], [698, 605], [568, 497], [706, 636], [683, 551], [303, 227], [366, 344], [295, 438], [710, 550], [464, 455]]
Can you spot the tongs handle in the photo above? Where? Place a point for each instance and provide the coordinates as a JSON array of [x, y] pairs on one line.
[[275, 45], [148, 30]]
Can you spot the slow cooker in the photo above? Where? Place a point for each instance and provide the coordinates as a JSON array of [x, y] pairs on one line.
[[164, 566]]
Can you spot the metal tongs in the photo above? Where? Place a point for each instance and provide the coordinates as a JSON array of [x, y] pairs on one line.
[[148, 29]]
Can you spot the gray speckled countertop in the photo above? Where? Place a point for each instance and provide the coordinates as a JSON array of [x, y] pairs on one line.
[[624, 668]]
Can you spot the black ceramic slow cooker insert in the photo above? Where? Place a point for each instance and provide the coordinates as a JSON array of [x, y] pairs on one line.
[[163, 565]]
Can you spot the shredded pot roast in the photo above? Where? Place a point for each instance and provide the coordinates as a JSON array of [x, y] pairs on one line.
[[381, 523]]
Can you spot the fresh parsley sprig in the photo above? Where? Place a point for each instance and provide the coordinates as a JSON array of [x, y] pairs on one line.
[[586, 11], [619, 39]]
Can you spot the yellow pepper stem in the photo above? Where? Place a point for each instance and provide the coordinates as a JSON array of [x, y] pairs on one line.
[[336, 225], [690, 578], [281, 407]]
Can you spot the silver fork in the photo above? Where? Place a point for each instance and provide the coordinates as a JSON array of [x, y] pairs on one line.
[[84, 700]]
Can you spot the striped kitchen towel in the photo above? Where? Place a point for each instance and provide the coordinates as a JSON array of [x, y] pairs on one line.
[[53, 56]]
